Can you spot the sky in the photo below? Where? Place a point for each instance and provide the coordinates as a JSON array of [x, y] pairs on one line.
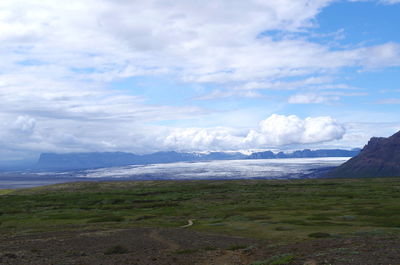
[[223, 75]]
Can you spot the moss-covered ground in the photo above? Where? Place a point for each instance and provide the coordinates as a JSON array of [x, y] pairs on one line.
[[288, 210]]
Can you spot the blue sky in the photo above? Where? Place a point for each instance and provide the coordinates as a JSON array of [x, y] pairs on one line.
[[102, 75]]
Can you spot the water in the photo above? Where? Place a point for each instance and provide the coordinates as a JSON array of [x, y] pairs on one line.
[[218, 169]]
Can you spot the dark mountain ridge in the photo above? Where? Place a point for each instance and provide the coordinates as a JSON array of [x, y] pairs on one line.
[[379, 158], [306, 153]]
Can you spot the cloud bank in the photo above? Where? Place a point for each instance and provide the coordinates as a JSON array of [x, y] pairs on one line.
[[275, 131], [220, 41], [58, 59]]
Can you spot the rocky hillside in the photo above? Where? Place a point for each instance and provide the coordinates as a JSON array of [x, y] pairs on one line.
[[379, 158]]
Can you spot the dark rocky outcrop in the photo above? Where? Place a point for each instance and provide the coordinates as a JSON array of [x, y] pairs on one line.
[[379, 158]]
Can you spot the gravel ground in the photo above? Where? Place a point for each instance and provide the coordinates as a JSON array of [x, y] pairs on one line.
[[179, 246]]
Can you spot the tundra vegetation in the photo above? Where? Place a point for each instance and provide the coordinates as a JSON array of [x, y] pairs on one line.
[[304, 221], [286, 210]]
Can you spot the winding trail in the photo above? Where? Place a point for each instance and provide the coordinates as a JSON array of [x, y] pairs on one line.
[[190, 223]]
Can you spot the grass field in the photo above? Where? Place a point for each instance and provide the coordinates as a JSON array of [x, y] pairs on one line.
[[288, 210]]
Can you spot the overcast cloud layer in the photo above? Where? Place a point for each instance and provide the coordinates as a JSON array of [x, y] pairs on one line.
[[58, 59]]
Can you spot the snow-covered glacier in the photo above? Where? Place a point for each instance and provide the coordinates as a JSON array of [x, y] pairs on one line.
[[220, 169], [217, 169]]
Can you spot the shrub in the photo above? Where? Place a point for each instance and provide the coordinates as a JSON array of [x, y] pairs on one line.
[[106, 219], [145, 217], [319, 235], [236, 247]]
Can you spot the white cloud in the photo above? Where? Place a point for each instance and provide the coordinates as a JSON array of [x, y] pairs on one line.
[[390, 2], [311, 98], [24, 125], [218, 94], [387, 2], [389, 101], [278, 130], [359, 133], [202, 139], [324, 95], [282, 85], [384, 55], [275, 131]]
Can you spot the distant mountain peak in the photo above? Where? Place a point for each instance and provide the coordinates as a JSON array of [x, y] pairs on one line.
[[395, 136]]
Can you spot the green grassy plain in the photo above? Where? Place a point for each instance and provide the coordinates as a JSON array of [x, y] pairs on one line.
[[287, 210]]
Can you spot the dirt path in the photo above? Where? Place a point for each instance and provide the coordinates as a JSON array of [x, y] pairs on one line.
[[190, 223]]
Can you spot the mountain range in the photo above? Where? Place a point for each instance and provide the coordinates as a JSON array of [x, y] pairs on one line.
[[113, 159], [306, 153], [75, 161]]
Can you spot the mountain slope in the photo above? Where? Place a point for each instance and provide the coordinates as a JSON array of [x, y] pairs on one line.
[[379, 158]]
